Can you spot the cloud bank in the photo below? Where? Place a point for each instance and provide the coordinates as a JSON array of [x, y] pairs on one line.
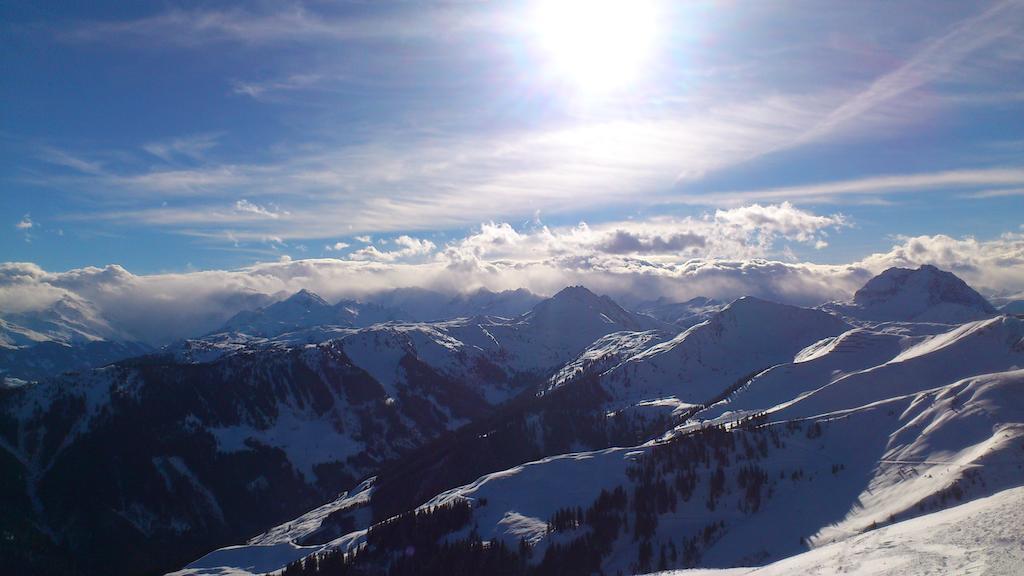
[[727, 254]]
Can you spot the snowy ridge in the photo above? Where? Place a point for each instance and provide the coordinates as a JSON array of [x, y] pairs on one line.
[[748, 335]]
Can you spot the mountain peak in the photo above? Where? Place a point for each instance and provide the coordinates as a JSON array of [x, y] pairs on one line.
[[306, 298], [925, 294], [938, 286], [575, 293], [576, 306]]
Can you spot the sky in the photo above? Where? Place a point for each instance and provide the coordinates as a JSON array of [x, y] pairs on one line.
[[498, 144]]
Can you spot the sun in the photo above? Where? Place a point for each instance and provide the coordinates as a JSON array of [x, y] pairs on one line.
[[596, 45]]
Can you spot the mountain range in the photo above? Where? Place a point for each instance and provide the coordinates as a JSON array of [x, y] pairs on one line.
[[505, 433]]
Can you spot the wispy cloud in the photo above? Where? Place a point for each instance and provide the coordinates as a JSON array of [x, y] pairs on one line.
[[995, 193], [247, 207], [875, 185], [191, 147], [67, 160], [262, 89], [454, 169], [936, 59], [287, 22]]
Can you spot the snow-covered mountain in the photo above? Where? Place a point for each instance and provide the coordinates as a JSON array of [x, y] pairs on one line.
[[926, 294], [790, 413], [308, 412], [682, 314], [1012, 307], [746, 336], [304, 309], [68, 335], [422, 305], [574, 438], [69, 320], [177, 455]]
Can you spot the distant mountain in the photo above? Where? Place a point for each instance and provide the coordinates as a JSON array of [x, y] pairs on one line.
[[682, 314], [70, 320], [68, 335], [304, 309], [419, 304], [926, 294], [575, 317], [1012, 307]]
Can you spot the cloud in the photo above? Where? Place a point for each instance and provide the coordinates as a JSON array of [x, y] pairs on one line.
[[936, 59], [442, 175], [995, 193], [337, 246], [783, 219], [25, 223], [190, 147], [261, 89], [161, 307], [745, 232], [625, 242], [245, 206], [873, 185], [408, 248], [288, 23], [397, 183], [67, 160]]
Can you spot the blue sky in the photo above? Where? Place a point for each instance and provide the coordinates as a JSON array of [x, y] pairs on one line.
[[175, 136]]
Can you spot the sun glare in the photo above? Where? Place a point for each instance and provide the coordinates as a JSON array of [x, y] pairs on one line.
[[596, 45]]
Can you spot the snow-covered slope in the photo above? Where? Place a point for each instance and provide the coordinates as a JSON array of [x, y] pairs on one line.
[[176, 457], [926, 294], [859, 468], [979, 537], [862, 366], [832, 478], [746, 336]]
